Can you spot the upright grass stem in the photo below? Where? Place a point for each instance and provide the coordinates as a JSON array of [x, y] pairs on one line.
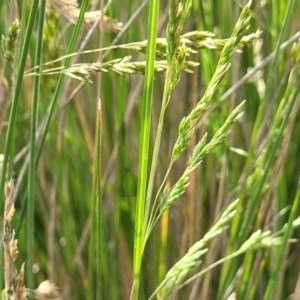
[[176, 58], [144, 147], [269, 84], [296, 203], [187, 125], [95, 266], [60, 82], [13, 111], [14, 107], [281, 250], [31, 172], [191, 259], [12, 119], [259, 177]]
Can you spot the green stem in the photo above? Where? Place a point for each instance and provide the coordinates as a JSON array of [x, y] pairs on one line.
[[292, 217], [61, 78], [165, 100], [98, 211], [144, 147], [269, 86], [31, 172], [13, 112]]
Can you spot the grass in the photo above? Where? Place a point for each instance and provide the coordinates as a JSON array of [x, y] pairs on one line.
[[157, 159]]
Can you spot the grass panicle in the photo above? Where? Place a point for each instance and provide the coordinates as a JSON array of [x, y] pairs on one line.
[[192, 41], [263, 165], [176, 64], [200, 150], [256, 184], [258, 240], [191, 259], [187, 125], [120, 66], [8, 43], [178, 14]]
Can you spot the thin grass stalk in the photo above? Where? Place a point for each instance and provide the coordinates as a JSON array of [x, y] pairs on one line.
[[290, 89], [187, 125], [1, 7], [60, 82], [58, 89], [245, 280], [98, 211], [165, 100], [13, 111], [23, 26], [258, 240], [192, 258], [264, 164], [176, 55], [96, 241], [124, 188], [202, 148], [283, 246], [255, 284], [144, 147], [98, 207], [163, 245], [269, 85], [31, 171], [9, 139]]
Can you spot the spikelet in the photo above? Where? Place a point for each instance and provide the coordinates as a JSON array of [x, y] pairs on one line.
[[14, 280]]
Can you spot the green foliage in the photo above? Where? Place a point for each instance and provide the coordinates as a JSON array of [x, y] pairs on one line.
[[128, 150]]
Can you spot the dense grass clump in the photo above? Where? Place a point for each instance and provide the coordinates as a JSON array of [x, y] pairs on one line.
[[149, 150]]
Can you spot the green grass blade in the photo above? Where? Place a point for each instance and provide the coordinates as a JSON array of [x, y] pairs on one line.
[[292, 217], [13, 111], [61, 79], [31, 172], [269, 85], [144, 146]]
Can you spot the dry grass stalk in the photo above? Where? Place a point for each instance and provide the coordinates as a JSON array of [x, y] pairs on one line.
[[69, 9], [4, 92], [14, 280]]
